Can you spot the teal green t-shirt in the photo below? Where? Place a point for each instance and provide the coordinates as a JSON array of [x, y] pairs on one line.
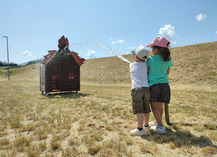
[[158, 70]]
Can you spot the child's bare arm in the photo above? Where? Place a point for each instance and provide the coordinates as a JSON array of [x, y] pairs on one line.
[[147, 71], [168, 71]]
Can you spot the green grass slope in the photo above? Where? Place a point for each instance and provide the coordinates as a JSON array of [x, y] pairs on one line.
[[105, 70], [194, 64]]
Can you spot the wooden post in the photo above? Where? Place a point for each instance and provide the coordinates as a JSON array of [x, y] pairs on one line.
[[167, 117]]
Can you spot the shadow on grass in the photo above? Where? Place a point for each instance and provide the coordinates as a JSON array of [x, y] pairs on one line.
[[179, 138], [69, 95]]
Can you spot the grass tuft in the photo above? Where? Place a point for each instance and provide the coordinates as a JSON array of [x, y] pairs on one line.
[[22, 143], [92, 150], [55, 145], [4, 143], [149, 148], [208, 151]]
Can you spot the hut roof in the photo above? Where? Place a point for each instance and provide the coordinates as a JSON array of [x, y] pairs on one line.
[[63, 47]]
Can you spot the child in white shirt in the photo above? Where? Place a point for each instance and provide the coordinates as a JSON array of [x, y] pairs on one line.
[[140, 91]]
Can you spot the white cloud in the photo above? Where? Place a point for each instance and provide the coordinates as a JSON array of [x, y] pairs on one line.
[[168, 32], [27, 53], [200, 17], [91, 54], [216, 32], [117, 41], [110, 38], [120, 41]]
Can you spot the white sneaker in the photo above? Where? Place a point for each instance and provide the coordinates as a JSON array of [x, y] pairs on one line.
[[152, 123], [159, 129], [147, 129], [137, 132]]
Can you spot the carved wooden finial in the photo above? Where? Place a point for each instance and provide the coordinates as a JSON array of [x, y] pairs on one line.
[[63, 42], [63, 48]]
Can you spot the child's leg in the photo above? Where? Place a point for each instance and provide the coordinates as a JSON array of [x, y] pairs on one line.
[[140, 118], [146, 118], [161, 109], [157, 109]]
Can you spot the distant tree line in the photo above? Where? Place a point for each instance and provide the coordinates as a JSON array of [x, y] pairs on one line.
[[23, 64], [6, 64], [34, 61]]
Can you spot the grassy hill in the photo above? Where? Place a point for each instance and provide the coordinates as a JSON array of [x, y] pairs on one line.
[[97, 120], [194, 64]]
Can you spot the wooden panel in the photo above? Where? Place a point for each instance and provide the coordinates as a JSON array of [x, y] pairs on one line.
[[71, 83], [62, 73], [42, 78], [54, 74], [55, 83]]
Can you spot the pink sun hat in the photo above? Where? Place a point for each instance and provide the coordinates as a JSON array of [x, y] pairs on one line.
[[161, 42]]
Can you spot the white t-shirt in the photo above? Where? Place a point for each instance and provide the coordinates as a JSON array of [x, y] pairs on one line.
[[138, 72]]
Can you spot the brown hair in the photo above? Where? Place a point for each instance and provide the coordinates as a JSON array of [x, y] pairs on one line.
[[143, 60], [164, 52]]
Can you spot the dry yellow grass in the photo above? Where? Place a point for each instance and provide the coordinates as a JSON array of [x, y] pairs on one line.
[[97, 120]]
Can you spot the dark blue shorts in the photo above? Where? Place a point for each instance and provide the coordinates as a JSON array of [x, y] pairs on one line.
[[160, 92]]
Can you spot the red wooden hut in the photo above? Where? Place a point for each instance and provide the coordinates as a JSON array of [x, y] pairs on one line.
[[61, 69]]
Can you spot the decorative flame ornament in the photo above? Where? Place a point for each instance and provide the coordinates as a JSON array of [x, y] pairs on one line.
[[62, 44]]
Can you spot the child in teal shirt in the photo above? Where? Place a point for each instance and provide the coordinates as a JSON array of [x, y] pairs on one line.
[[158, 70]]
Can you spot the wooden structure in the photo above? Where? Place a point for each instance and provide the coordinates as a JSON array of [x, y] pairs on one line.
[[61, 69]]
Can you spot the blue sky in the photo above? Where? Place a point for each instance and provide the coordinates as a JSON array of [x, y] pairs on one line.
[[34, 27]]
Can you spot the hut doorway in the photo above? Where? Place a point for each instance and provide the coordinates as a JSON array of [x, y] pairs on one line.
[[55, 83]]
